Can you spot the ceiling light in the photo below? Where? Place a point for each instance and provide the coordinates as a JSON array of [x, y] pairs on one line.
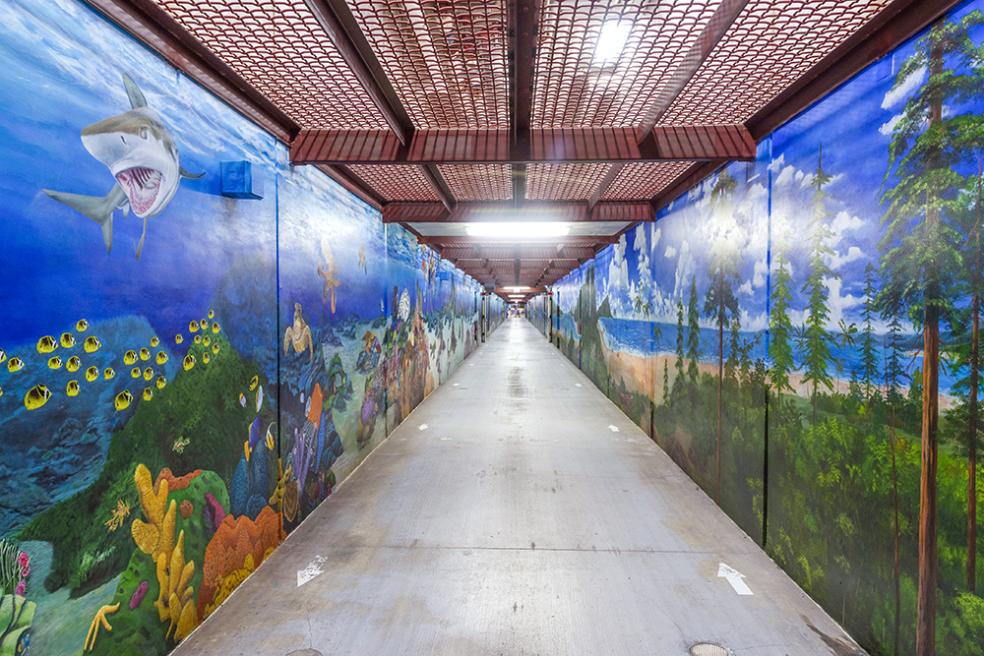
[[611, 41], [518, 229], [516, 289]]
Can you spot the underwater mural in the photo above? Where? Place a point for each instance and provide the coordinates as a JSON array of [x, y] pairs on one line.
[[149, 467], [815, 315]]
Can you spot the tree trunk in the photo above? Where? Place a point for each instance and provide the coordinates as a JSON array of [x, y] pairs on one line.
[[972, 448], [926, 591], [717, 451], [896, 542]]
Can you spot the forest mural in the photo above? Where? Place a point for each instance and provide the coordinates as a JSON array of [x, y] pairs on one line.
[[802, 335], [151, 325]]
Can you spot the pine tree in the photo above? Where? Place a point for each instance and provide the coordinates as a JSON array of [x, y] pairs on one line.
[[893, 377], [666, 382], [780, 327], [920, 254], [734, 350], [869, 359], [816, 339], [693, 337], [679, 379]]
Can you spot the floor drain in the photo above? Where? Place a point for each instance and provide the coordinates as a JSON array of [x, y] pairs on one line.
[[709, 649]]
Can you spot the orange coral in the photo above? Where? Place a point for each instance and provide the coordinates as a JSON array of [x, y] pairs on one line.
[[175, 483], [186, 509], [317, 400], [236, 539]]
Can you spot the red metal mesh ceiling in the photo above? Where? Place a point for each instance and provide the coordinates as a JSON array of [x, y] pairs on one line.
[[572, 90], [644, 181], [446, 59], [772, 43], [478, 181], [398, 182], [563, 181]]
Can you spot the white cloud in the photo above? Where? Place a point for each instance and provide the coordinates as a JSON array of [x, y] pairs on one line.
[[670, 251], [686, 265], [836, 260], [889, 126], [746, 288], [838, 303], [903, 89], [841, 224], [758, 274]]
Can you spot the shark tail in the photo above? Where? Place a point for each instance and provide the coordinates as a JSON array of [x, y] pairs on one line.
[[98, 208]]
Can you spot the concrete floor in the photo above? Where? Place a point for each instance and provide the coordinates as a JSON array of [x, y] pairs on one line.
[[507, 516]]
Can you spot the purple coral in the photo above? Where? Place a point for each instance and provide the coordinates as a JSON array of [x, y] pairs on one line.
[[138, 595], [213, 511], [21, 588]]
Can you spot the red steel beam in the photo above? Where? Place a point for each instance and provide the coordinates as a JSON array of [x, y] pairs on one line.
[[574, 211], [449, 146], [457, 241]]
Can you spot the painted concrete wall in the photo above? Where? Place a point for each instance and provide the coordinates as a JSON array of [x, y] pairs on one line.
[[168, 419], [792, 290]]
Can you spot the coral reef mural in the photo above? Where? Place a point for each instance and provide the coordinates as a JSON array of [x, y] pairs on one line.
[[170, 407], [815, 315]]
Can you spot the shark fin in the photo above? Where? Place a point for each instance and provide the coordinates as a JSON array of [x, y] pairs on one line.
[[133, 92], [98, 208], [185, 173]]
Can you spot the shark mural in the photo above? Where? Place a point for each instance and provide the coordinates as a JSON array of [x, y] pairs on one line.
[[139, 152]]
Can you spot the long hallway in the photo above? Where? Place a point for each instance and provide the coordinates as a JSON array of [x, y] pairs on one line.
[[518, 511]]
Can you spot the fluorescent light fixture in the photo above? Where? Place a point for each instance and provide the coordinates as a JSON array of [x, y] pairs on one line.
[[517, 289], [519, 229], [611, 41]]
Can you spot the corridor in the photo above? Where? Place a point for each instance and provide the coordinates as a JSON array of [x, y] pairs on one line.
[[517, 511]]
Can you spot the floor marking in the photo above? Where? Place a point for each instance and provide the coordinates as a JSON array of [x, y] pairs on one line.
[[578, 385], [311, 572], [735, 578], [613, 428], [423, 427], [454, 384]]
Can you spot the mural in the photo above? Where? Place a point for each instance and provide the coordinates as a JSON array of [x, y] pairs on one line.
[[831, 289], [148, 468]]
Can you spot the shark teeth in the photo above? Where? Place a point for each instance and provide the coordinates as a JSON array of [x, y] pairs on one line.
[[141, 186]]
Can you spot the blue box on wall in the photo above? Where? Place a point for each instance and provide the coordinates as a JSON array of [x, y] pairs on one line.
[[238, 182]]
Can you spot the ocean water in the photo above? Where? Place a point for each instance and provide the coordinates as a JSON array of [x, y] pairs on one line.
[[638, 337]]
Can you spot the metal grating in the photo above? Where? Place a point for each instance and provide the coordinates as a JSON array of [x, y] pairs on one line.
[[769, 47], [279, 47], [396, 182], [563, 181], [572, 90], [478, 181], [644, 181], [446, 59]]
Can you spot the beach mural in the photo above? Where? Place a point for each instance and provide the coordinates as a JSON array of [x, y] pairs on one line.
[[815, 314], [148, 466]]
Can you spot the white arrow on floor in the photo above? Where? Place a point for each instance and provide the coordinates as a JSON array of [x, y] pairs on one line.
[[422, 427], [613, 428], [311, 572], [735, 578]]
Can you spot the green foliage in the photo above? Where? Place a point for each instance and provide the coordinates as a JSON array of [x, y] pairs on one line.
[[780, 327], [693, 336], [869, 360]]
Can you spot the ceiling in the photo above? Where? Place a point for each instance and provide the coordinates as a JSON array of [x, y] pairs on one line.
[[445, 112]]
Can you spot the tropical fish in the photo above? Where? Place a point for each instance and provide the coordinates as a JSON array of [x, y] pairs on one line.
[[161, 357], [123, 400], [179, 338], [246, 450], [216, 327], [206, 358], [81, 325], [160, 382], [144, 354], [198, 339], [140, 153], [179, 444], [91, 344], [148, 374], [259, 399], [242, 399], [189, 362], [14, 364], [1, 391], [253, 382], [154, 341], [211, 313], [47, 344], [73, 364], [54, 362], [203, 324], [67, 340], [91, 374], [269, 438], [130, 357], [148, 394], [192, 326], [206, 340], [135, 372], [3, 355], [36, 397], [215, 349], [109, 373], [72, 388]]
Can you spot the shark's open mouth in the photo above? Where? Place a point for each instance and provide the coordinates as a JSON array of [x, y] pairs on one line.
[[142, 186]]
